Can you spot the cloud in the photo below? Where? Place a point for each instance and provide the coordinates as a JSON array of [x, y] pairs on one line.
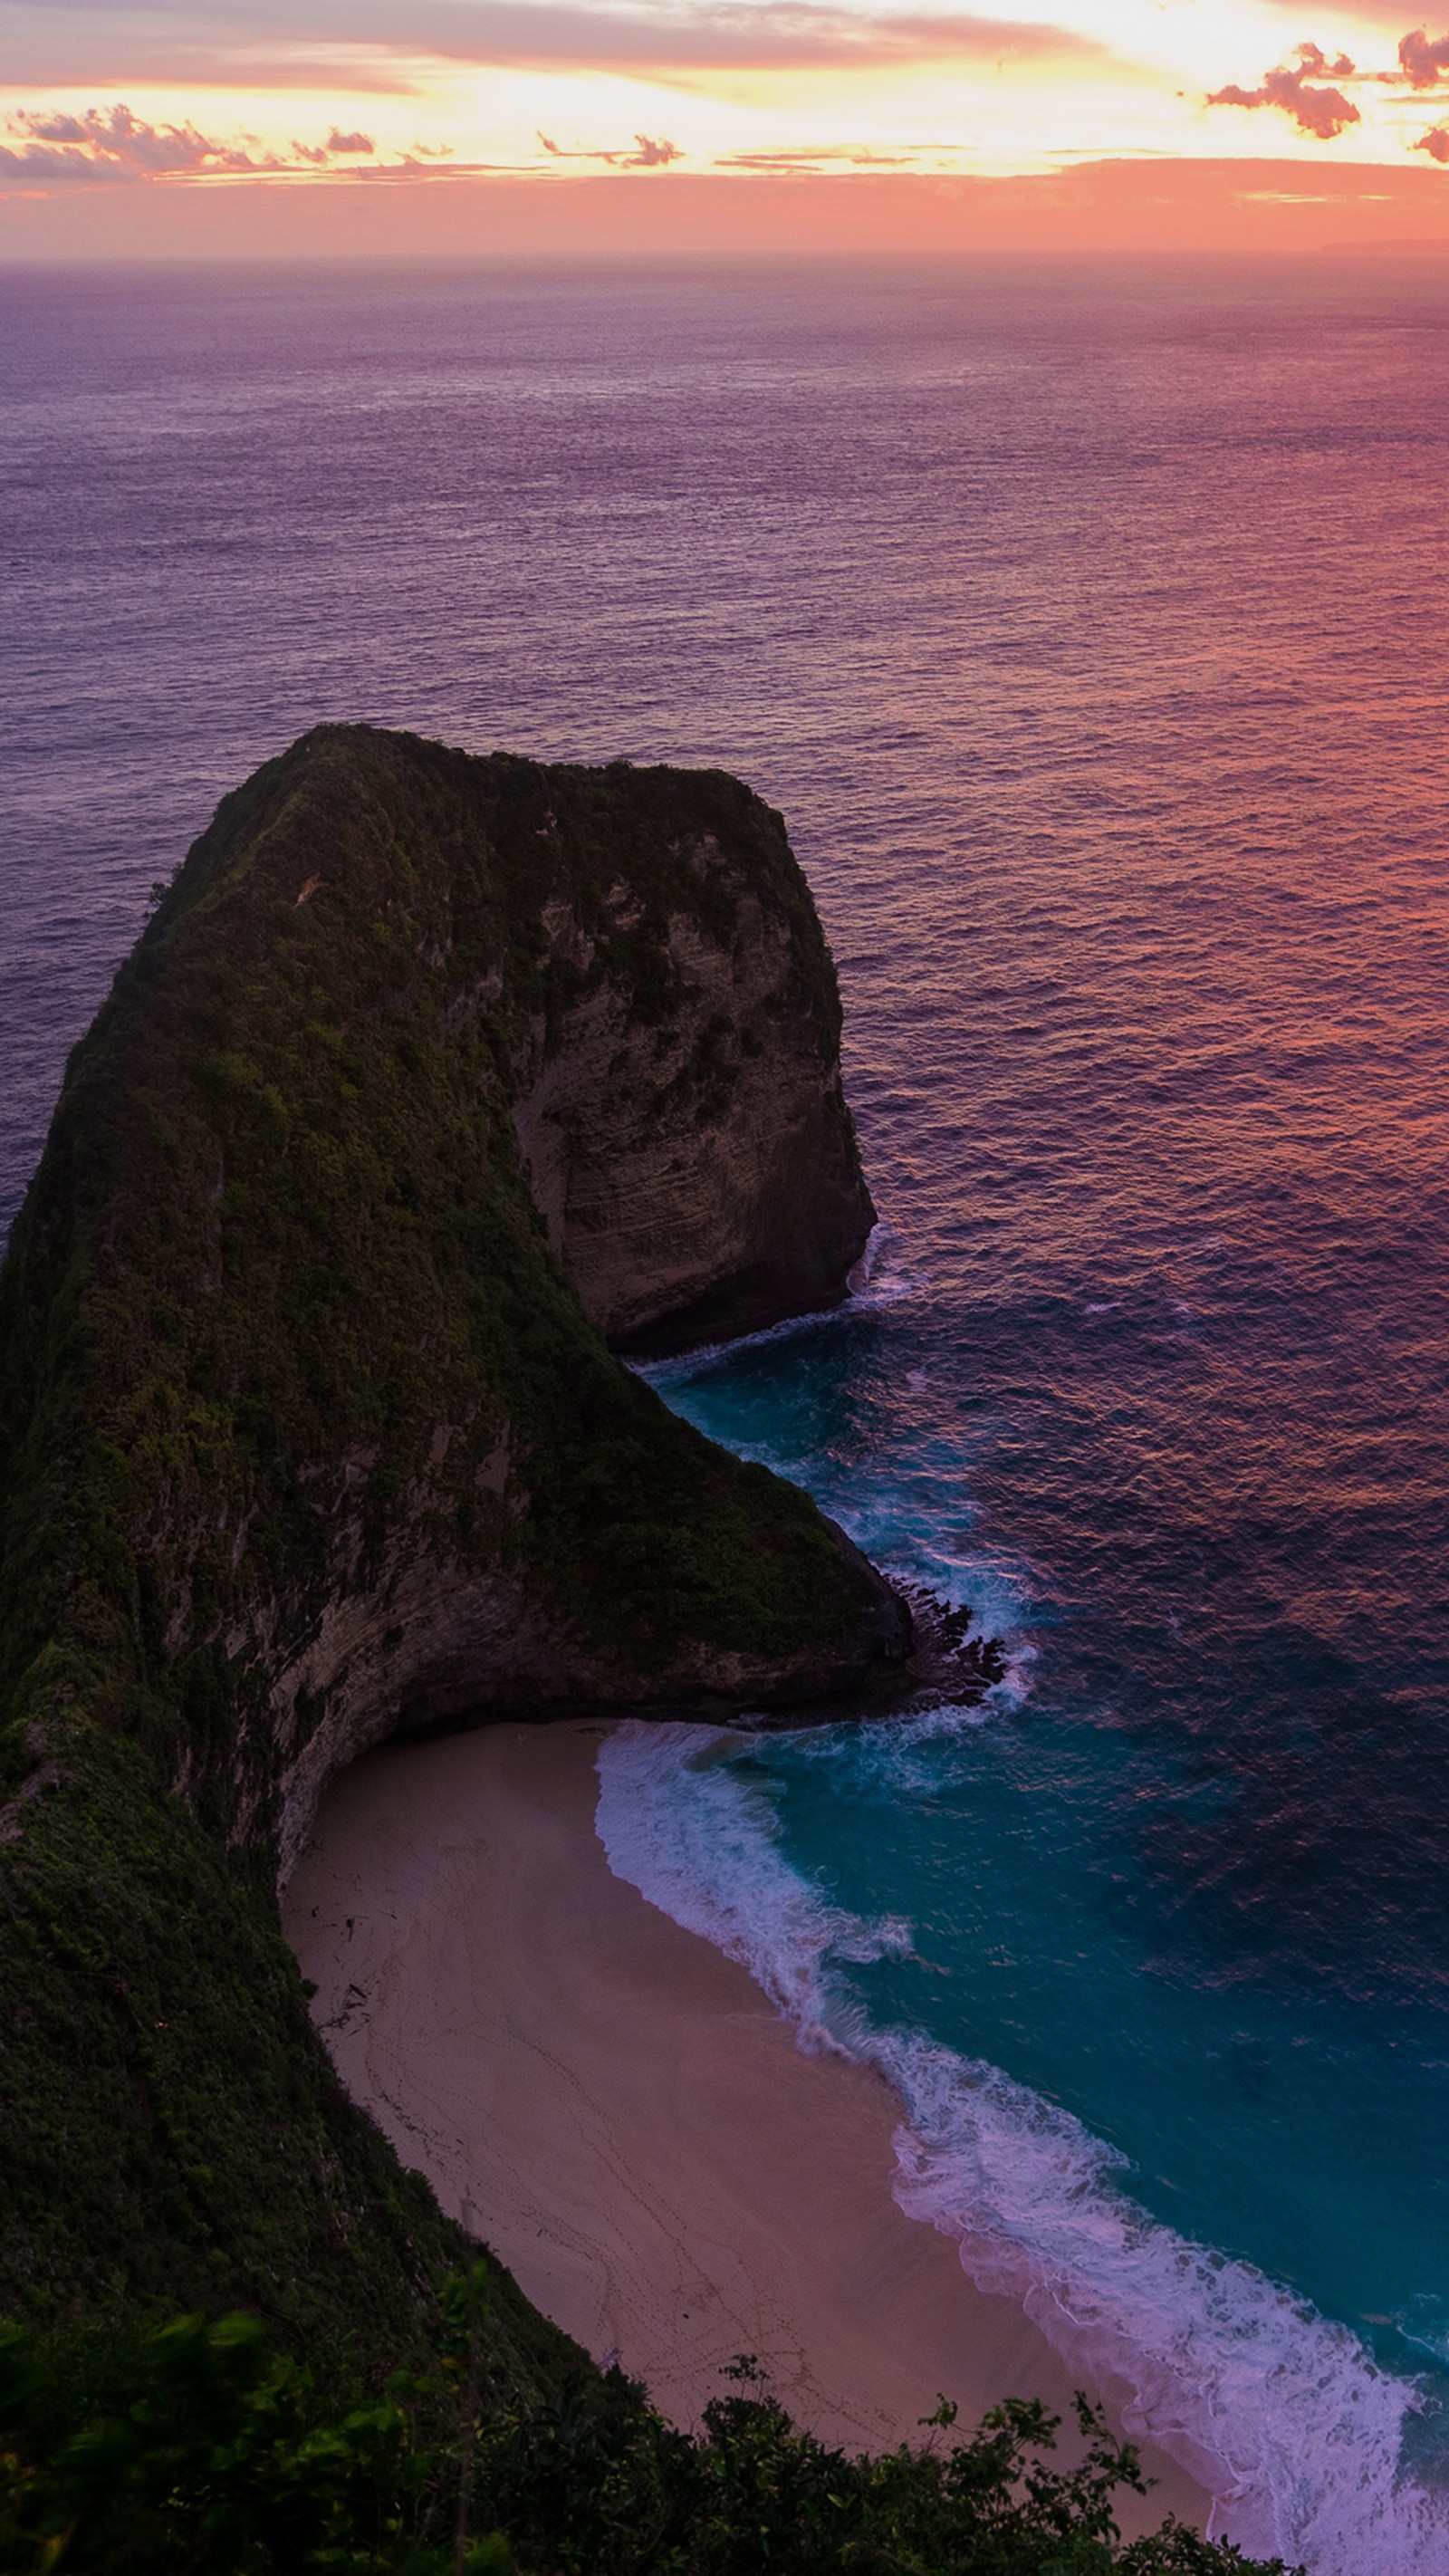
[[648, 154], [111, 144], [317, 155], [825, 156], [1435, 143], [1324, 112], [252, 41], [1312, 58], [1423, 59]]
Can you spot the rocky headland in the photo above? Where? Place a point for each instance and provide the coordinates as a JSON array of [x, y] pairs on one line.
[[434, 1084]]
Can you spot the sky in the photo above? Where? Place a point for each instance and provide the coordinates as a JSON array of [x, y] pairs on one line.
[[228, 123]]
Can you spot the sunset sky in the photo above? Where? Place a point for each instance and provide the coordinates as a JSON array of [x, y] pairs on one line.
[[181, 99]]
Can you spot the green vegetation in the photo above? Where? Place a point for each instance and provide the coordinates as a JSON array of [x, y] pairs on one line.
[[279, 1236], [202, 2447]]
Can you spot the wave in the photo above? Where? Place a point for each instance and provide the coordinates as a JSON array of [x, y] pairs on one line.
[[1281, 2412], [879, 1279]]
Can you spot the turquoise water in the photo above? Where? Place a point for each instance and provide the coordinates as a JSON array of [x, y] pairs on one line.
[[1086, 627], [1057, 1855], [1174, 2065]]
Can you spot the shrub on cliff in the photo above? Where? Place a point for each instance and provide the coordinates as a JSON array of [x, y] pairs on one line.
[[202, 2447]]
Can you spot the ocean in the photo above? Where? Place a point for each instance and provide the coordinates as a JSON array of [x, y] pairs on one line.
[[1085, 623]]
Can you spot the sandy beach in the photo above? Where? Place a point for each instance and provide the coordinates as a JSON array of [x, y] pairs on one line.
[[614, 2108]]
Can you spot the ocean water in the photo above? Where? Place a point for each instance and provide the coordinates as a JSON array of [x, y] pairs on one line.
[[1087, 626]]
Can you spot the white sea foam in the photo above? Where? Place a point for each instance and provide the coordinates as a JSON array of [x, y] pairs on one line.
[[1281, 2411], [681, 1823], [702, 1355], [880, 1278]]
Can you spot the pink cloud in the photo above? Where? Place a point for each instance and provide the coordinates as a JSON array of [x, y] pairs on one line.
[[110, 144], [825, 156], [1423, 59], [228, 40], [1436, 144], [650, 153], [1324, 112]]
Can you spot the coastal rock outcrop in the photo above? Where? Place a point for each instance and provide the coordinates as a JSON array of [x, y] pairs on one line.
[[429, 1074], [694, 1159]]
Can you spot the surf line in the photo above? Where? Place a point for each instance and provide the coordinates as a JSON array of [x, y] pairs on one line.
[[1280, 2411]]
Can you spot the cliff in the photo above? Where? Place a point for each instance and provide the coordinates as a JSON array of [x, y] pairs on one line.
[[428, 1073]]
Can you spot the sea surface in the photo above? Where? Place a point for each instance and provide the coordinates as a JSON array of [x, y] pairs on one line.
[[1088, 627]]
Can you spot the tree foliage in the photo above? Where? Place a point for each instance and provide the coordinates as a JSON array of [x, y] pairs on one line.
[[203, 2447]]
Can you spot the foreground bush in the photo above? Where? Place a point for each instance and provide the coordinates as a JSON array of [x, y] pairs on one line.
[[203, 2448]]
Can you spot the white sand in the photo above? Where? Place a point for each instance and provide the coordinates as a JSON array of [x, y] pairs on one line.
[[615, 2109]]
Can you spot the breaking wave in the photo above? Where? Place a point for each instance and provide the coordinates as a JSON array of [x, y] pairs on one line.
[[1280, 2411]]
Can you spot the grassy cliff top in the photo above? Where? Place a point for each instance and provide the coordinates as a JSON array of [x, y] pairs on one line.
[[279, 1241]]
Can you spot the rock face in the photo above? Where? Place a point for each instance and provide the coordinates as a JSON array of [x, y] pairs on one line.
[[698, 1172], [429, 1073]]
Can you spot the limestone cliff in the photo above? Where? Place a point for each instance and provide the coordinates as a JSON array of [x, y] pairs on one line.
[[310, 1431], [696, 1164]]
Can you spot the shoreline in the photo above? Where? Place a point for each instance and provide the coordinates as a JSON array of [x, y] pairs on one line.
[[615, 2108]]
